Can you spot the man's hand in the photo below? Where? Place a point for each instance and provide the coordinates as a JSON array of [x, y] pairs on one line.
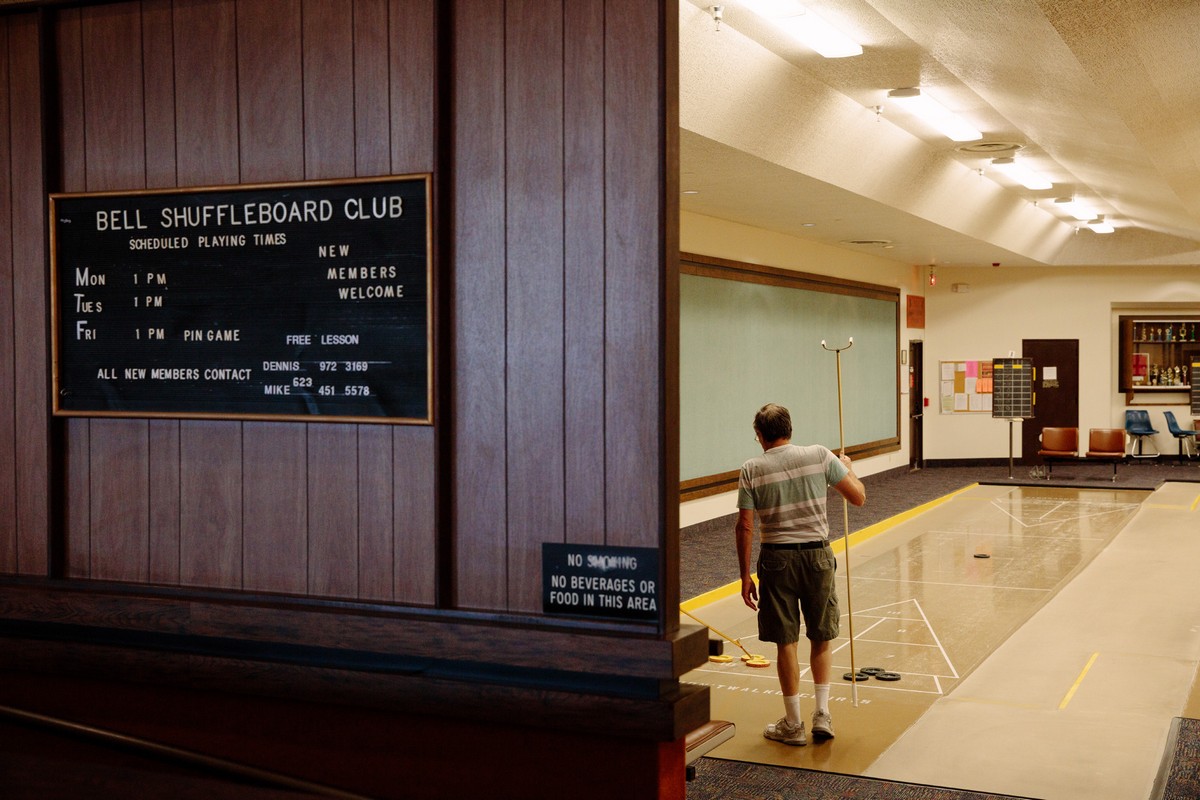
[[750, 593]]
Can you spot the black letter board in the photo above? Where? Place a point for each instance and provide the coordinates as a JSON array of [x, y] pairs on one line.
[[286, 301]]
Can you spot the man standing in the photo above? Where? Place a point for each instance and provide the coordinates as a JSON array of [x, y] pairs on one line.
[[787, 487]]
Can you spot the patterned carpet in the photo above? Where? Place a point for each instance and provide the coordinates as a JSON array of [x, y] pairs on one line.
[[1180, 775], [734, 780]]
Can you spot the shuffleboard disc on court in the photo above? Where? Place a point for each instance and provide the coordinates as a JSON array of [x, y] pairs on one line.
[[856, 676], [982, 555], [888, 676], [754, 657], [720, 659], [872, 670], [758, 662]]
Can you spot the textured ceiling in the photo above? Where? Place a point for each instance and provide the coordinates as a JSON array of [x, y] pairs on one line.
[[1101, 96]]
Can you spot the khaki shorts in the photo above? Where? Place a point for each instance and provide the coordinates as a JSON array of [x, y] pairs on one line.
[[796, 583]]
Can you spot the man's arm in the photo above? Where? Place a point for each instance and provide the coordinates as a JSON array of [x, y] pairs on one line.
[[744, 534], [850, 487]]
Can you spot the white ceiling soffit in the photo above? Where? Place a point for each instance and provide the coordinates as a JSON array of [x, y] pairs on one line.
[[1098, 95]]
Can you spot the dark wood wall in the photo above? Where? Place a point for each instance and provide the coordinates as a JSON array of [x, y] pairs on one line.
[[541, 123], [385, 578], [24, 405]]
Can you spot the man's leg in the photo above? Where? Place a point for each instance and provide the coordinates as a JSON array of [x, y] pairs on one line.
[[790, 729], [788, 663], [821, 658]]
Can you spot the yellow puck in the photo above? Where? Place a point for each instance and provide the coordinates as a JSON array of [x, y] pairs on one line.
[[758, 661], [753, 657], [722, 659]]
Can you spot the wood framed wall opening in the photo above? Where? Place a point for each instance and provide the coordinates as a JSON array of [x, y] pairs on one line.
[[752, 334]]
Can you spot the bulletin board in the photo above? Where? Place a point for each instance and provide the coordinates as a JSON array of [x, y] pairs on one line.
[[965, 387]]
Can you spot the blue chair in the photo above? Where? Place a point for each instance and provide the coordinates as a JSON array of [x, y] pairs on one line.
[[1137, 425], [1180, 435]]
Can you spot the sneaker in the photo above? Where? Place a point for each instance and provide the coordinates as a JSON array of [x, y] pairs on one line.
[[783, 732], [822, 725]]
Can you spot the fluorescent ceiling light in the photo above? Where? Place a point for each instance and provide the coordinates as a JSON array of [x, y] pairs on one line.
[[806, 27], [1069, 205], [1100, 225], [1021, 174], [926, 108]]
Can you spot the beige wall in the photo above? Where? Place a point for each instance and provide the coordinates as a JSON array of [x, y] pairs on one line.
[[1007, 305], [1002, 307]]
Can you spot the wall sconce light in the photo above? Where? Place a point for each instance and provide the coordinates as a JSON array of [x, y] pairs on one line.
[[1021, 174], [806, 27], [934, 113], [932, 276]]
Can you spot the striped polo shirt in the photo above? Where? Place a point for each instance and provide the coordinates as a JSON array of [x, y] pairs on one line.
[[787, 487]]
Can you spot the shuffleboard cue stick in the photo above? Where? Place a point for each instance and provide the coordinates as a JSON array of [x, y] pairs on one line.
[[837, 351]]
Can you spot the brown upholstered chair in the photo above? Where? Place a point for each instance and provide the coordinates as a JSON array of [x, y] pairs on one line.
[[1107, 444], [1058, 444]]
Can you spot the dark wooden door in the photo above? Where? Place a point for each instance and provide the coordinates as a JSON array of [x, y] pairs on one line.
[[1055, 392], [916, 405]]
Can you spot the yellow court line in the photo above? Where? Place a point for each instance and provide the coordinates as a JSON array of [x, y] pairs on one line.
[[1078, 681], [856, 538]]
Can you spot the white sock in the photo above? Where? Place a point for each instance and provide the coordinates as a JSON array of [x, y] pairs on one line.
[[791, 706], [822, 697]]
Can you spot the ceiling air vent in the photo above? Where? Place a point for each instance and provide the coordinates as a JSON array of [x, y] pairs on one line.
[[990, 148], [868, 242]]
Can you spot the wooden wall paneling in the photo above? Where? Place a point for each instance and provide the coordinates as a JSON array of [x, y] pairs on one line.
[[534, 203], [158, 59], [633, 304], [333, 492], [328, 91], [332, 511], [376, 513], [72, 170], [270, 91], [30, 400], [413, 36], [113, 101], [275, 507], [583, 272], [416, 524], [206, 93], [8, 454], [78, 516], [164, 489], [206, 142], [372, 117], [120, 512], [210, 507], [72, 166], [115, 159], [478, 492]]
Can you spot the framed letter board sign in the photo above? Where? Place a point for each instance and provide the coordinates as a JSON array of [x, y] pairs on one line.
[[302, 301]]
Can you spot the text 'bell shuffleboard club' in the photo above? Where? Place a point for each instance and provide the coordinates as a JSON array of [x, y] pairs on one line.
[[293, 301]]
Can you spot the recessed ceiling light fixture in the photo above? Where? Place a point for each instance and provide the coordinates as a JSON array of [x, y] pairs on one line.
[[1021, 174], [921, 105], [1100, 225], [1069, 205], [806, 27]]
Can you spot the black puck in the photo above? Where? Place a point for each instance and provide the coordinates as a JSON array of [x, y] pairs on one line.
[[888, 676]]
